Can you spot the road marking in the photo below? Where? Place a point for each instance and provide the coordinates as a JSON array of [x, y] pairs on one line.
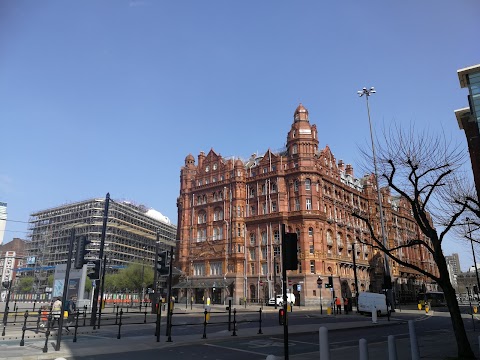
[[230, 348]]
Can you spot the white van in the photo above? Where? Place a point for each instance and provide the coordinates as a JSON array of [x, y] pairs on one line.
[[368, 301], [279, 299]]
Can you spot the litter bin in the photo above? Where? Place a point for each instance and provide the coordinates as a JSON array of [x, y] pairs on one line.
[[329, 310]]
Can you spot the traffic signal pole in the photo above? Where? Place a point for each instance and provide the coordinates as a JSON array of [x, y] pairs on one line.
[[65, 289], [155, 301], [102, 289], [169, 307], [93, 318], [284, 287]]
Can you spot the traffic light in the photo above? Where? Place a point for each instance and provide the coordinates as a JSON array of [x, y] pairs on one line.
[[6, 284], [94, 272], [329, 285], [162, 263], [291, 248], [81, 251], [281, 317]]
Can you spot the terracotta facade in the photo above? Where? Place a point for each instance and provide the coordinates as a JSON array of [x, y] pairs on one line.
[[230, 214]]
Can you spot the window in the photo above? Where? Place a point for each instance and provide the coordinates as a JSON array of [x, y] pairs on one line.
[[264, 208], [276, 236], [294, 149], [253, 211], [297, 204], [201, 235], [310, 231], [217, 233], [252, 239], [273, 187], [263, 189], [265, 170], [218, 215], [309, 204], [312, 249], [276, 251], [307, 184], [264, 269], [274, 206], [252, 192], [202, 217], [216, 268], [295, 185], [215, 166], [264, 238], [199, 269], [312, 266], [207, 168], [252, 269], [252, 254], [264, 252], [238, 211]]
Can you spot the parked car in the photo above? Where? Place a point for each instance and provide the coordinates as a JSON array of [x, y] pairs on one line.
[[368, 302], [279, 299]]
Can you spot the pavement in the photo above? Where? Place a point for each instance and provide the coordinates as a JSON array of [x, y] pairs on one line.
[[431, 347]]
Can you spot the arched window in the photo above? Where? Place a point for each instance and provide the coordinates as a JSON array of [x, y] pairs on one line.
[[218, 214], [252, 239], [202, 217], [310, 231], [308, 184]]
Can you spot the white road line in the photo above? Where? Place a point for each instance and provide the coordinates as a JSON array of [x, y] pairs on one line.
[[231, 348]]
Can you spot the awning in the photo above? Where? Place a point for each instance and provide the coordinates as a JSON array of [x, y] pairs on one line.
[[203, 283]]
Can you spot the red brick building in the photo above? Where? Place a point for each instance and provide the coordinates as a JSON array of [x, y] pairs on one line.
[[230, 214]]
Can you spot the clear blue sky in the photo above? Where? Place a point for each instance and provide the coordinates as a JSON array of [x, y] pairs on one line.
[[111, 96]]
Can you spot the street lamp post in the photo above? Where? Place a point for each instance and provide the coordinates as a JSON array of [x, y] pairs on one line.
[[387, 278], [473, 253], [143, 278]]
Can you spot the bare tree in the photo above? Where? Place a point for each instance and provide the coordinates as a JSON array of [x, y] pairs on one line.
[[422, 168]]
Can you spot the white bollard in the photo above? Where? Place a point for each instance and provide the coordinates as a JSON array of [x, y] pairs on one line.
[[392, 348], [363, 348], [374, 315], [413, 341], [324, 345]]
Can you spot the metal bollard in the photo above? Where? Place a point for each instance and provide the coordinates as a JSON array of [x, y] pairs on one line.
[[159, 321], [205, 324], [234, 322], [77, 314], [145, 318], [16, 313], [413, 341], [323, 343], [260, 322], [34, 304], [84, 314], [116, 315], [363, 348], [392, 348], [38, 320], [374, 315], [24, 327], [47, 333], [120, 324]]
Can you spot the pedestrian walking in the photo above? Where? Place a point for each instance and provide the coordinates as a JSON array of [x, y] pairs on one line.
[[70, 307], [56, 311], [338, 304], [346, 305]]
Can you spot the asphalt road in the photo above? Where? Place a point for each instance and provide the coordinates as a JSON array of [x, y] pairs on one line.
[[260, 346]]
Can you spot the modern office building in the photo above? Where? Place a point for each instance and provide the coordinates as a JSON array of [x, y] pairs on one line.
[[469, 118], [3, 220], [454, 261], [231, 212], [131, 233]]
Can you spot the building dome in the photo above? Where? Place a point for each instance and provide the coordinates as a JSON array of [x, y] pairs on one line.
[[238, 163], [301, 114]]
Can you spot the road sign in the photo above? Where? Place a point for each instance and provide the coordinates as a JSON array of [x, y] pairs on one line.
[[319, 281], [290, 282]]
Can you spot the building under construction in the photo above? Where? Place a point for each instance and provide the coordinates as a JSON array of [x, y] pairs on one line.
[[131, 232]]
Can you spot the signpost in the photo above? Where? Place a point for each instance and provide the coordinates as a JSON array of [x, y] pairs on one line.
[[319, 285]]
